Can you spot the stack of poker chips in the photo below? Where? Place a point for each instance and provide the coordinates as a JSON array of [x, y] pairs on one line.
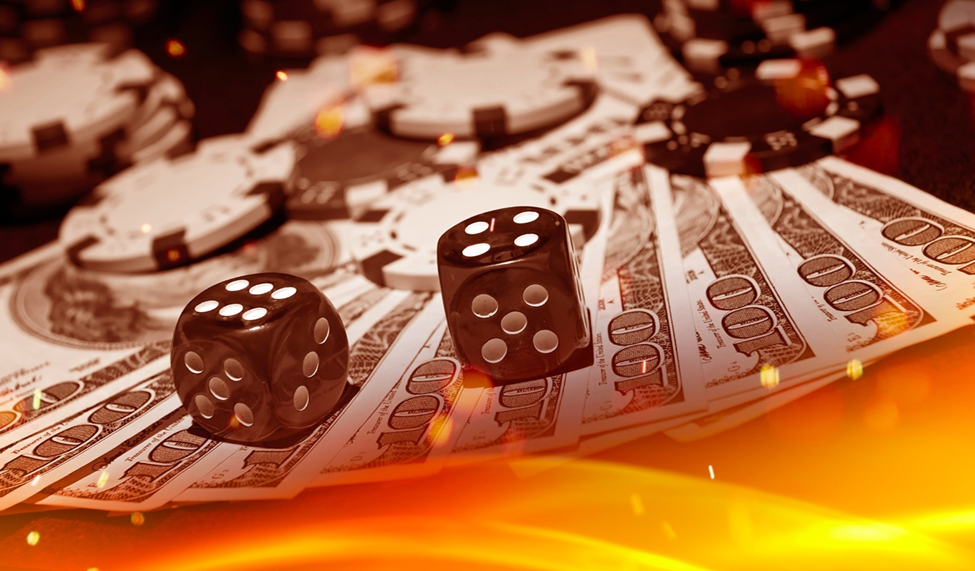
[[711, 35], [74, 115], [951, 46], [308, 28], [29, 25]]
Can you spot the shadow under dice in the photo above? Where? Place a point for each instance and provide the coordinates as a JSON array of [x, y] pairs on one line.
[[259, 357], [512, 294]]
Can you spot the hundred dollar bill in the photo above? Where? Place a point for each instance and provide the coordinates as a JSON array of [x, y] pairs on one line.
[[72, 335], [45, 457], [872, 303], [935, 240], [151, 468], [539, 414], [646, 354], [410, 433], [750, 309], [255, 472]]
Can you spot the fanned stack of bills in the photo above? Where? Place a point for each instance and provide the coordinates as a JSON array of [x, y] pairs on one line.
[[712, 301]]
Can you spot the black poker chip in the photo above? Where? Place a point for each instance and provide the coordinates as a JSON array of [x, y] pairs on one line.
[[712, 40], [784, 114], [338, 177]]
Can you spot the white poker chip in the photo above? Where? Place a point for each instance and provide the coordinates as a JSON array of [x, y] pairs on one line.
[[482, 95], [97, 92], [395, 241], [165, 213]]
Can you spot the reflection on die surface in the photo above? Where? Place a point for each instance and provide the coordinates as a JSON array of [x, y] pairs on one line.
[[512, 294], [260, 357]]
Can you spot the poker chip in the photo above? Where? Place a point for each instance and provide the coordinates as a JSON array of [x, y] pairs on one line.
[[481, 95], [956, 21], [56, 144], [307, 28], [29, 25], [165, 213], [340, 173], [785, 114], [957, 69], [711, 36], [394, 242]]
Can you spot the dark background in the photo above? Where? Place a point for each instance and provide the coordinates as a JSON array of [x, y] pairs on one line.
[[926, 138]]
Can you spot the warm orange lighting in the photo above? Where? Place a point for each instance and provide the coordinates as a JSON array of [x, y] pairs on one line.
[[78, 5], [281, 75], [769, 376], [881, 416], [854, 369], [445, 139], [32, 538], [329, 121], [137, 518], [175, 48], [466, 178], [173, 256]]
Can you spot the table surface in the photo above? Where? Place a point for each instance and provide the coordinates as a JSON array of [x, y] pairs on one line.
[[866, 474]]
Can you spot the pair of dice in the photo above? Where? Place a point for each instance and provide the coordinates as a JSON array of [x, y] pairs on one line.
[[265, 356]]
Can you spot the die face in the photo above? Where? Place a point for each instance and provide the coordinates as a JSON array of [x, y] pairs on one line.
[[528, 235], [259, 357], [308, 366], [516, 323]]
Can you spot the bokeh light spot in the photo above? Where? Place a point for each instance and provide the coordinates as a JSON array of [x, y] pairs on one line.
[[881, 416], [769, 376], [281, 75], [137, 518], [854, 369], [175, 48], [329, 121], [711, 471], [32, 538], [37, 399], [102, 479], [445, 139], [78, 5]]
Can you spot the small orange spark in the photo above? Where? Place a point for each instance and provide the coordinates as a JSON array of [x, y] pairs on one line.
[[78, 5], [769, 376], [854, 369], [32, 538], [445, 139], [173, 256], [281, 75], [138, 519], [329, 121], [175, 48]]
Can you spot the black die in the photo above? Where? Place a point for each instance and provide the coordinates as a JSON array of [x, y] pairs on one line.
[[512, 294], [259, 357]]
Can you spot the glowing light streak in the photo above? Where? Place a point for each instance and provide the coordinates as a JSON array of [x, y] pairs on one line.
[[102, 479], [711, 471], [36, 404]]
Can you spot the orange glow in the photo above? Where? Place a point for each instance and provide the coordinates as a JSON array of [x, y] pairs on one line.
[[466, 178], [78, 5], [440, 430], [281, 75], [329, 122], [4, 79], [32, 538], [445, 139], [769, 376], [175, 48], [854, 369], [173, 256], [137, 518]]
